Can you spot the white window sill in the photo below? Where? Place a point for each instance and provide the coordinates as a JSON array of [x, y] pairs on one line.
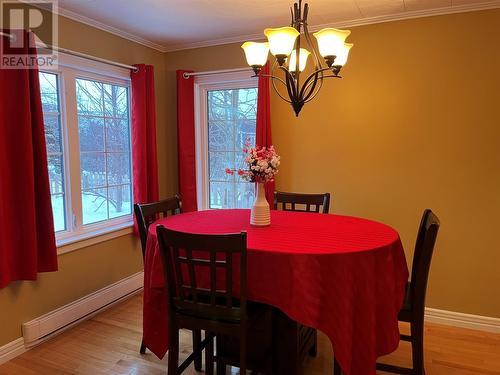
[[88, 238]]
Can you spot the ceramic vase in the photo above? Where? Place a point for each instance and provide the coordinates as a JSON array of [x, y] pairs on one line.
[[260, 215]]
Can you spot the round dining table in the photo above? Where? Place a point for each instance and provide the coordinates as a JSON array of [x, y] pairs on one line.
[[342, 275]]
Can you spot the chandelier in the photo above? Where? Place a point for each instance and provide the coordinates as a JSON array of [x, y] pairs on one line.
[[291, 57]]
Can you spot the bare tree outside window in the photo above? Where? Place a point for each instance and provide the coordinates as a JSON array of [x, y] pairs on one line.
[[104, 132], [231, 122]]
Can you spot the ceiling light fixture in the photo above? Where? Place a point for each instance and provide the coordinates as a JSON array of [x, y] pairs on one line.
[[286, 46]]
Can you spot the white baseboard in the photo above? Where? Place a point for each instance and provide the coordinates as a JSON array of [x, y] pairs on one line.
[[12, 350], [456, 319], [56, 321]]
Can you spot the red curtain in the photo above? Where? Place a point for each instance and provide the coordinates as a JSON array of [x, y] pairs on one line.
[[263, 131], [186, 141], [144, 158], [27, 239]]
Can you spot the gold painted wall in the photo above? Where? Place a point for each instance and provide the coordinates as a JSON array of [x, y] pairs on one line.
[[415, 123], [86, 270]]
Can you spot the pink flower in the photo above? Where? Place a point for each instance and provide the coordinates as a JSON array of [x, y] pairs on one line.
[[229, 171], [241, 172]]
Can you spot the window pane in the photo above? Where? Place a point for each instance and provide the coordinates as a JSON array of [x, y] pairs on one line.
[[52, 133], [231, 123], [93, 170], [118, 168], [222, 195], [91, 131], [117, 135], [94, 205], [115, 101], [120, 202], [221, 135], [58, 212], [104, 130], [89, 97], [49, 93]]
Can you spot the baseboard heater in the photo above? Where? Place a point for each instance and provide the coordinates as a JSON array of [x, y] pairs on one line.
[[57, 321]]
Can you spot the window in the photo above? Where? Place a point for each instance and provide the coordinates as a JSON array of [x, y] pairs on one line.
[[226, 108], [87, 131]]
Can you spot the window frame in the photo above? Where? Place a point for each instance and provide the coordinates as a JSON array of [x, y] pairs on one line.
[[77, 234], [202, 85]]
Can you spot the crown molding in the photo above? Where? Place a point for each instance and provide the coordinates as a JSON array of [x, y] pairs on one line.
[[483, 5], [110, 29]]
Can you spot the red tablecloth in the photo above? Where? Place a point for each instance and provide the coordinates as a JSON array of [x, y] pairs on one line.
[[342, 275]]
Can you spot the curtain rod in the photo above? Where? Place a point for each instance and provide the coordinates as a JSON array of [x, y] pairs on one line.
[[187, 75], [78, 54]]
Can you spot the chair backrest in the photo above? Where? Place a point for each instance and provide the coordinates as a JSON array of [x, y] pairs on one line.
[[424, 248], [312, 202], [187, 257], [148, 213]]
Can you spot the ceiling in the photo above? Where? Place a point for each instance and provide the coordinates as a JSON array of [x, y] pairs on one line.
[[178, 24]]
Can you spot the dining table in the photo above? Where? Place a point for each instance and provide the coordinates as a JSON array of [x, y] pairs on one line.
[[342, 275]]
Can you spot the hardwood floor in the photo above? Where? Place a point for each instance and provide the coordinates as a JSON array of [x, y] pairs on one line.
[[109, 344]]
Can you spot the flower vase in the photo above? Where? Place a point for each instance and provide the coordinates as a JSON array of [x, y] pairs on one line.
[[260, 215]]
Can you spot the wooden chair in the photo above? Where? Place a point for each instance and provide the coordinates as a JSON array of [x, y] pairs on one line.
[[214, 309], [414, 304], [312, 202], [146, 214], [300, 202]]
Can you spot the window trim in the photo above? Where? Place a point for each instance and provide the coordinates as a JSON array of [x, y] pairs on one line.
[[76, 234], [203, 84]]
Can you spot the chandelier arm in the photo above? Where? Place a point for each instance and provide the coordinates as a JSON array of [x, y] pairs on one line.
[[273, 77], [279, 94], [309, 87], [319, 88], [313, 47], [313, 94], [290, 86], [313, 75]]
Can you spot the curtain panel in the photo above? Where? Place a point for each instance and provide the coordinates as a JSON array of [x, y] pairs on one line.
[[186, 141], [144, 152], [263, 130], [27, 239]]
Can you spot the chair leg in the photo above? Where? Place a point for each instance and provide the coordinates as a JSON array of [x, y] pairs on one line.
[[196, 344], [173, 352], [417, 347], [313, 352], [336, 368], [209, 357], [142, 350]]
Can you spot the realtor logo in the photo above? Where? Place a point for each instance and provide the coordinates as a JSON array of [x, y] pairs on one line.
[[39, 17]]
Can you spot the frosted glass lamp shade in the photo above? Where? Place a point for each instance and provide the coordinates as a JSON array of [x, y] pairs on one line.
[[256, 53], [331, 41], [281, 40], [303, 55], [341, 58]]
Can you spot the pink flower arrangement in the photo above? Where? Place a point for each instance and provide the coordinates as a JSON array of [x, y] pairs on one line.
[[262, 164]]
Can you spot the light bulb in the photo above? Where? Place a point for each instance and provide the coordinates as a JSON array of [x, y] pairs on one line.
[[303, 55], [256, 53], [331, 41], [281, 41]]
